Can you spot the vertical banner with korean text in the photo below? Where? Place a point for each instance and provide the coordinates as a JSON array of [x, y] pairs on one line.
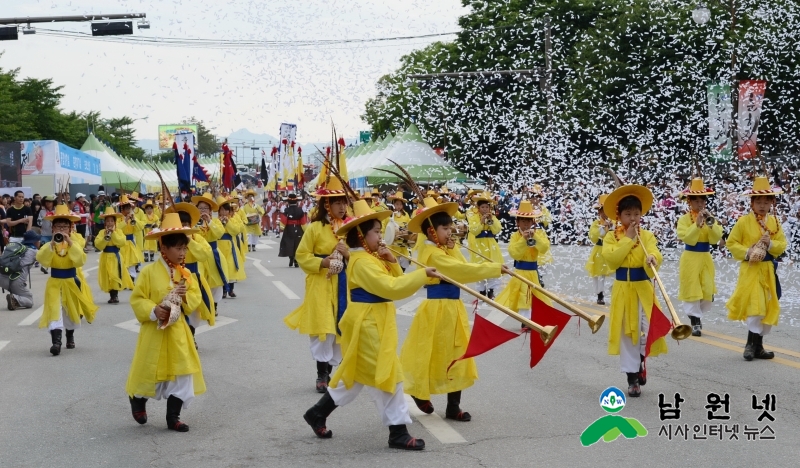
[[719, 122], [751, 95], [286, 157]]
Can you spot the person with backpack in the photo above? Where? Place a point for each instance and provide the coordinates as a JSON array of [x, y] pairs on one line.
[[15, 270]]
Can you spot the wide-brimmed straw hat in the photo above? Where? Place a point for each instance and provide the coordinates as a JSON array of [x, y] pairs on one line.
[[525, 210], [641, 192], [124, 200], [398, 196], [697, 189], [482, 196], [762, 188], [601, 200], [206, 198], [170, 225], [62, 212], [193, 211], [110, 212], [333, 188], [428, 209], [362, 213]]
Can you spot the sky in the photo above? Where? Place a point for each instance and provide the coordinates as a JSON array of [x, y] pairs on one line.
[[228, 86]]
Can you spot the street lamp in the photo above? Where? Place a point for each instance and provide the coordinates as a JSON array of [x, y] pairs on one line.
[[701, 14]]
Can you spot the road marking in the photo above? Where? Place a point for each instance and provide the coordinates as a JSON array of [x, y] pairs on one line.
[[409, 308], [267, 242], [264, 271], [738, 349], [741, 341], [130, 325], [91, 269], [263, 247], [285, 290], [435, 424], [496, 317], [3, 344], [33, 317], [220, 321]]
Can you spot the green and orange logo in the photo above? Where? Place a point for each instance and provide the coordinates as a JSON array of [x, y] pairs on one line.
[[611, 426]]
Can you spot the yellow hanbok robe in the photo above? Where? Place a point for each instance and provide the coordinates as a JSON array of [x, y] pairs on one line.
[[596, 265], [64, 292], [141, 220], [628, 296], [379, 207], [756, 291], [316, 316], [517, 295], [217, 265], [544, 220], [131, 253], [234, 256], [696, 269], [197, 257], [111, 274], [248, 209], [369, 330], [85, 288], [162, 355], [151, 222], [484, 239], [240, 241], [439, 332]]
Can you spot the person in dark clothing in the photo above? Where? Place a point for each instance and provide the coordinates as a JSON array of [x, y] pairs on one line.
[[19, 218], [293, 219]]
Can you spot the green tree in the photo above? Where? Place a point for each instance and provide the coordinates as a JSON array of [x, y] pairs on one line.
[[206, 142]]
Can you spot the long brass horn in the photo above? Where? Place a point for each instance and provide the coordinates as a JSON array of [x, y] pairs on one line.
[[680, 331]]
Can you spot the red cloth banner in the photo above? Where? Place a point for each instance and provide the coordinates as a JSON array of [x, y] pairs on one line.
[[544, 315], [485, 337], [659, 327]]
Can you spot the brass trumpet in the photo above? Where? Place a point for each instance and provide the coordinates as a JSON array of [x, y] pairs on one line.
[[108, 235], [710, 219]]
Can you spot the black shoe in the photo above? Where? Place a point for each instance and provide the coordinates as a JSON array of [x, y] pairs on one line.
[[634, 390], [70, 339], [316, 416], [453, 410], [216, 310], [322, 377], [483, 293], [399, 438], [174, 405], [642, 371], [696, 326], [600, 299], [424, 405], [8, 301], [139, 409], [760, 352], [749, 348], [55, 335], [44, 270], [491, 294], [224, 294]]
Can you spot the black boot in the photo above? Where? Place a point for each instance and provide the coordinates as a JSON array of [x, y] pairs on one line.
[[55, 350], [174, 405], [424, 405], [330, 372], [399, 438], [453, 410], [70, 339], [322, 377], [696, 326], [230, 290], [491, 294], [139, 409], [634, 390], [600, 299], [191, 328], [216, 310], [760, 352], [642, 371], [749, 348], [317, 414]]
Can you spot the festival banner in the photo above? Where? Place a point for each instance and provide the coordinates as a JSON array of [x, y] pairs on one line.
[[166, 134], [751, 96], [286, 157], [720, 109]]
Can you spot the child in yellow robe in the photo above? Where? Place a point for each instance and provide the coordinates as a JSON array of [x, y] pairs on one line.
[[65, 303], [252, 214], [756, 240], [151, 220], [165, 363], [216, 268], [596, 265], [485, 227], [369, 331], [112, 276], [525, 246], [131, 226], [227, 243], [632, 295], [400, 218], [439, 332], [696, 271]]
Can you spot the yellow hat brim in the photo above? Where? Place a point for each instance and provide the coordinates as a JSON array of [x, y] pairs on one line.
[[74, 219], [415, 225], [156, 234], [641, 192], [116, 215], [379, 215], [193, 211], [197, 199]]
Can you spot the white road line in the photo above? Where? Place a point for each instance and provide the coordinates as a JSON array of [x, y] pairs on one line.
[[285, 290], [263, 247], [130, 325], [267, 242], [221, 321], [90, 269], [496, 317], [410, 307], [3, 344], [264, 271], [33, 317], [435, 425]]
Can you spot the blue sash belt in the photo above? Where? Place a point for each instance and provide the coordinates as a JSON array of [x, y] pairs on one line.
[[485, 234], [194, 269], [699, 247], [228, 237], [65, 273], [770, 258], [130, 237], [361, 295], [636, 274], [526, 266], [115, 251], [443, 290], [341, 294], [217, 260]]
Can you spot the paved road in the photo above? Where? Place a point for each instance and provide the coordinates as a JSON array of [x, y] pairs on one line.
[[72, 410]]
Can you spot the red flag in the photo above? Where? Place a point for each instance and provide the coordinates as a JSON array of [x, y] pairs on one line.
[[485, 337], [659, 327], [544, 315]]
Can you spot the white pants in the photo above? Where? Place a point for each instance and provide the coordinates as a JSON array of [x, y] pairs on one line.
[[216, 294], [404, 262], [194, 319], [754, 325], [696, 308], [326, 351], [487, 284], [391, 406], [182, 387], [525, 313], [630, 354], [63, 322], [252, 239], [599, 284], [132, 272]]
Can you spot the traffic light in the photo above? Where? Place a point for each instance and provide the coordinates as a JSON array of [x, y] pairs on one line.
[[116, 28], [9, 33]]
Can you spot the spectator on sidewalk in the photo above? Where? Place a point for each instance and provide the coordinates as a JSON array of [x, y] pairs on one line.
[[18, 282]]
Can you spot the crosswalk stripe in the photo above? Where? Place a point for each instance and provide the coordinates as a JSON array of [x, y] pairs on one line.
[[33, 317], [260, 267], [437, 426], [3, 344], [285, 290]]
